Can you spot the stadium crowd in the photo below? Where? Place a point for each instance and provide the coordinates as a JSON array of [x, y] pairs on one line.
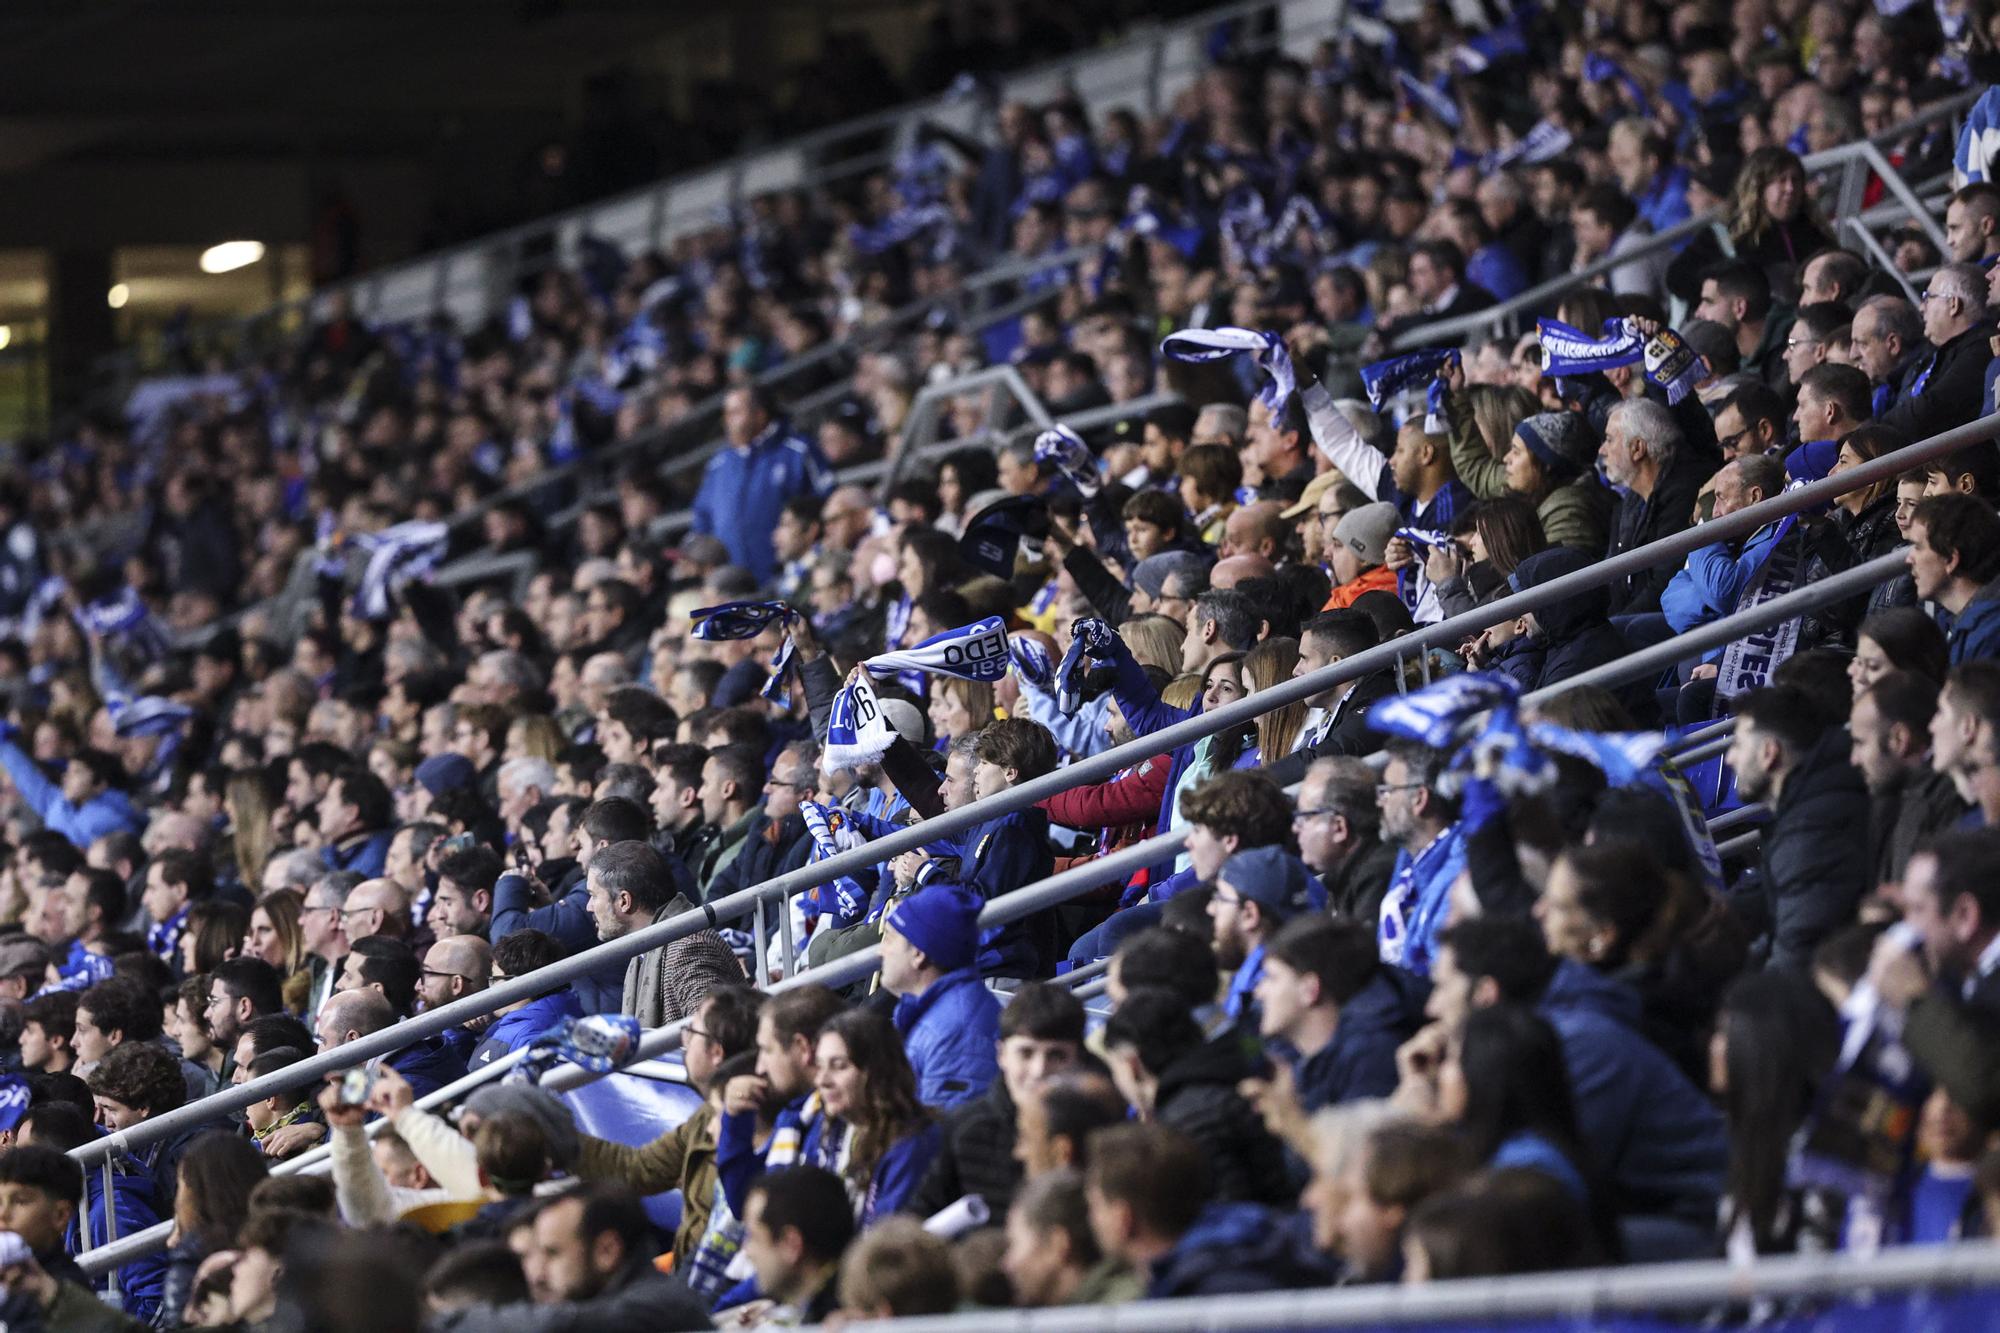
[[1436, 983]]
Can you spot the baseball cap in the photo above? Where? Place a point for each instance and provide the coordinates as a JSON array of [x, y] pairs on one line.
[[1309, 502], [1271, 877]]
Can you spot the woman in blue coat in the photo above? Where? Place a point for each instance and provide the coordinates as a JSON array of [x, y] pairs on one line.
[[874, 1134]]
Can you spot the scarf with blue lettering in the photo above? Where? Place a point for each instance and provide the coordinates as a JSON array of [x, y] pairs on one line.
[[1385, 379], [1267, 349], [395, 556], [1671, 364], [971, 652]]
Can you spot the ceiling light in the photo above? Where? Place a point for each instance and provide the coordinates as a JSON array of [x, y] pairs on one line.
[[118, 296], [230, 256]]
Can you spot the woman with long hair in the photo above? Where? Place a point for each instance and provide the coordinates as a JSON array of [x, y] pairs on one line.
[[875, 1134], [1489, 541], [1771, 227], [958, 708], [250, 800], [276, 936], [1775, 1042], [534, 736], [1270, 663], [1901, 638], [215, 1177], [1861, 527], [213, 934], [1222, 683]]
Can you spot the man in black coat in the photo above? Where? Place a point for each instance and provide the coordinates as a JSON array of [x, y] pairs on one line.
[[1658, 474], [1342, 726], [1950, 389], [1813, 865]]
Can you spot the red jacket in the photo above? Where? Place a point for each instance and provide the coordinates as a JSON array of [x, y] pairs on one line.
[[1125, 809]]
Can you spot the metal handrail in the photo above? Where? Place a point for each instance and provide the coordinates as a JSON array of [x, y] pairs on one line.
[[1537, 297], [1575, 1295], [1095, 768]]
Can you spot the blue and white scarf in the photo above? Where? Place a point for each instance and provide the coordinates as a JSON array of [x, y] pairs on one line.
[[1385, 379], [1431, 97], [1268, 350], [1064, 450], [971, 652], [395, 556], [1603, 69], [1670, 364], [123, 619], [1624, 757], [1032, 663], [1089, 638], [153, 716], [738, 620], [1434, 713]]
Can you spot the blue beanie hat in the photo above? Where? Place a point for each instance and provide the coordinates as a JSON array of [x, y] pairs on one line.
[[942, 921], [1561, 442], [445, 772], [1270, 877]]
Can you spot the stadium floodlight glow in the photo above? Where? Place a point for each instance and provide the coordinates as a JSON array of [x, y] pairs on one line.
[[6, 337], [230, 256], [119, 294]]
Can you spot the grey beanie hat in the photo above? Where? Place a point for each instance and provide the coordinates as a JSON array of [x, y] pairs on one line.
[[1151, 574], [1562, 442], [538, 1104]]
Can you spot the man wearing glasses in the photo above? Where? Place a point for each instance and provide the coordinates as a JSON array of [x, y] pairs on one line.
[[1951, 387], [325, 932], [1339, 830], [1423, 822]]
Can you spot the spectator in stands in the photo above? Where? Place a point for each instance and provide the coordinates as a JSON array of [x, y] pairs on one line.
[[239, 992], [1052, 1256], [797, 1224], [1149, 1199], [787, 1027], [1172, 1075], [356, 821], [1658, 475], [1946, 984], [48, 1032], [1257, 890], [1339, 831], [1890, 739], [519, 1024], [1342, 725], [1422, 821], [744, 487], [1340, 1012], [949, 1022], [1397, 1167], [1813, 856], [1951, 386], [41, 1192], [426, 1065], [1041, 1035], [1963, 733], [463, 902], [175, 881], [1889, 347], [1833, 402], [1972, 224], [630, 888], [1954, 552], [1750, 421]]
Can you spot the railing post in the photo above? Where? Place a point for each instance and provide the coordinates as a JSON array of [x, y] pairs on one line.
[[113, 1297]]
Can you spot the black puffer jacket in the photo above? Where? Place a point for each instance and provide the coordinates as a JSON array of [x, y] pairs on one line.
[[1576, 633], [1813, 866], [1640, 520], [975, 1156], [1197, 1095]]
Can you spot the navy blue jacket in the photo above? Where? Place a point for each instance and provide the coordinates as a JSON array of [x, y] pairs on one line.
[[951, 1033], [510, 1032], [428, 1065], [1976, 632], [1658, 1141], [567, 920], [1235, 1249], [366, 857], [142, 1281], [1360, 1061]]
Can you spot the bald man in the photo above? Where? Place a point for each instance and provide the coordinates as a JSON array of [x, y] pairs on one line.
[[1232, 570], [1255, 529], [349, 1016], [454, 968], [171, 829], [377, 907]]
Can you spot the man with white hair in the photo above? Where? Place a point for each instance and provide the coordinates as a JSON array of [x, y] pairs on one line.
[[1658, 475], [505, 678], [1949, 390], [1889, 347], [524, 784]]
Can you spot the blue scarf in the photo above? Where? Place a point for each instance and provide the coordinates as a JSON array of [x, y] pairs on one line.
[[1385, 379], [1267, 349], [395, 556]]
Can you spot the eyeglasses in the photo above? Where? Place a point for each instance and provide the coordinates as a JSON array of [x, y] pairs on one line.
[[1790, 343], [433, 972], [1730, 442], [1233, 900], [795, 786], [354, 911], [305, 910], [1301, 816], [1383, 789]]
